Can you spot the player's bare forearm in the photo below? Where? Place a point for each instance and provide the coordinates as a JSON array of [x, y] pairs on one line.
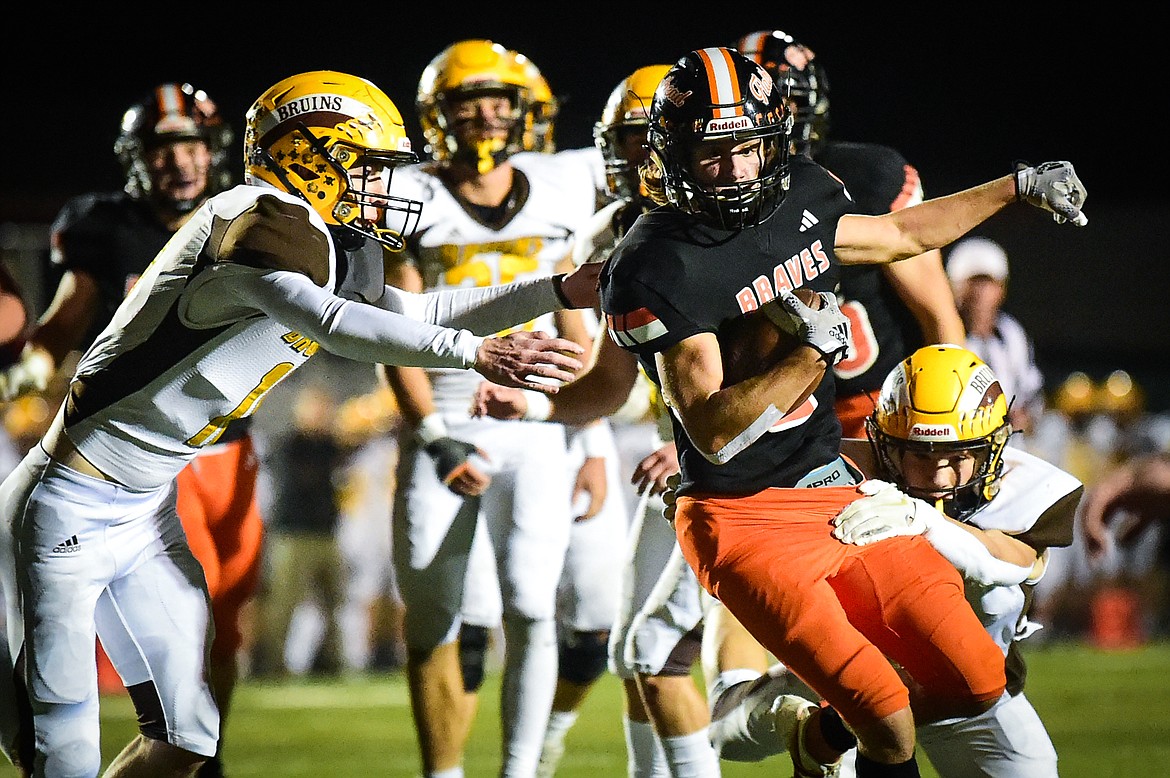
[[601, 389], [931, 224]]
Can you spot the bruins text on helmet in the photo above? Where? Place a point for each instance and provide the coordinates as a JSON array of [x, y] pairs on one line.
[[308, 133], [472, 68], [943, 398], [170, 113], [717, 94], [792, 63], [626, 112]]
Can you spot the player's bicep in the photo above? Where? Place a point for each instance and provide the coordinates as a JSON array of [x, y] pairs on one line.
[[862, 239]]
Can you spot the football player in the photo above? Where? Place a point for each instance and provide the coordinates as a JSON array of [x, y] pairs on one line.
[[173, 147], [483, 510], [939, 435], [588, 594], [744, 222], [258, 279], [892, 308], [651, 655]]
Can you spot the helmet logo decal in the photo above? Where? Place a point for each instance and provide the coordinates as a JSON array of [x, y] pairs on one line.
[[335, 109], [306, 104], [728, 125], [760, 85], [671, 93]]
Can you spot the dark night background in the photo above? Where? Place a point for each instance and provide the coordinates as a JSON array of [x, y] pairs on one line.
[[960, 98]]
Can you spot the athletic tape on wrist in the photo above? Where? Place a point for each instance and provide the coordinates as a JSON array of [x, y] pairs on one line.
[[431, 428], [539, 406]]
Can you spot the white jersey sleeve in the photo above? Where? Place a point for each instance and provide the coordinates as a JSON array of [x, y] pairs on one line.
[[221, 317]]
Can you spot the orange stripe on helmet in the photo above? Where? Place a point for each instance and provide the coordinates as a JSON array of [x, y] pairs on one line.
[[170, 100], [723, 82], [752, 46]]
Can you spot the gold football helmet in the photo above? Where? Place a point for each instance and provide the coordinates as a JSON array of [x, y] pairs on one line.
[[471, 68], [545, 108], [943, 398], [308, 133], [627, 110]]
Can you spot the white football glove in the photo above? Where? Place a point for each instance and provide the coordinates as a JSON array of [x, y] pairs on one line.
[[31, 373], [826, 329], [1053, 186], [885, 512]]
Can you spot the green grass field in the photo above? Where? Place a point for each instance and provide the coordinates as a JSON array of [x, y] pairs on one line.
[[1108, 713]]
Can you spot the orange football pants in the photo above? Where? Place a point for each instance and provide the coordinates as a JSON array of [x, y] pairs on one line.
[[832, 612]]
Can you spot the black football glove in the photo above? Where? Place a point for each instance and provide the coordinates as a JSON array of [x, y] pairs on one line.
[[450, 456]]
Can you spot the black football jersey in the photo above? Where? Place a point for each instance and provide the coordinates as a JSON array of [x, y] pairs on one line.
[[671, 278], [885, 332], [112, 238]]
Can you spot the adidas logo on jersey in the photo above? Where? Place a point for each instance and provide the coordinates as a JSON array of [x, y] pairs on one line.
[[67, 546], [807, 221]]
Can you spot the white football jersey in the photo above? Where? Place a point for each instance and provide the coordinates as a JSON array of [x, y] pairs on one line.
[[453, 248], [187, 381], [245, 293], [1029, 487]]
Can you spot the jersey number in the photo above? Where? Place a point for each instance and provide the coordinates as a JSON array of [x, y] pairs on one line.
[[247, 407], [863, 345]]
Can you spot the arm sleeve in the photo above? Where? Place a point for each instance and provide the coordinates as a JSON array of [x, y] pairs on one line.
[[351, 329], [971, 558], [483, 310]]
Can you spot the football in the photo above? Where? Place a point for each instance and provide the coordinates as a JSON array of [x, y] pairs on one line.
[[752, 343]]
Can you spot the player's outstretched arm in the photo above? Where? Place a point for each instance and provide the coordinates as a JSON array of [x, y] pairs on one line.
[[934, 223]]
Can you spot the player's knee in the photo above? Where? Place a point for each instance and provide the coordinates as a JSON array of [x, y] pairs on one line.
[[583, 656], [473, 643]]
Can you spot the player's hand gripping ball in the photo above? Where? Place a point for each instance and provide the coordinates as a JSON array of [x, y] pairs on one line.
[[754, 342]]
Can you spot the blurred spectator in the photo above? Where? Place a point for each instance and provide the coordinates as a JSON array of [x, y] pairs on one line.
[[304, 563], [978, 270]]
